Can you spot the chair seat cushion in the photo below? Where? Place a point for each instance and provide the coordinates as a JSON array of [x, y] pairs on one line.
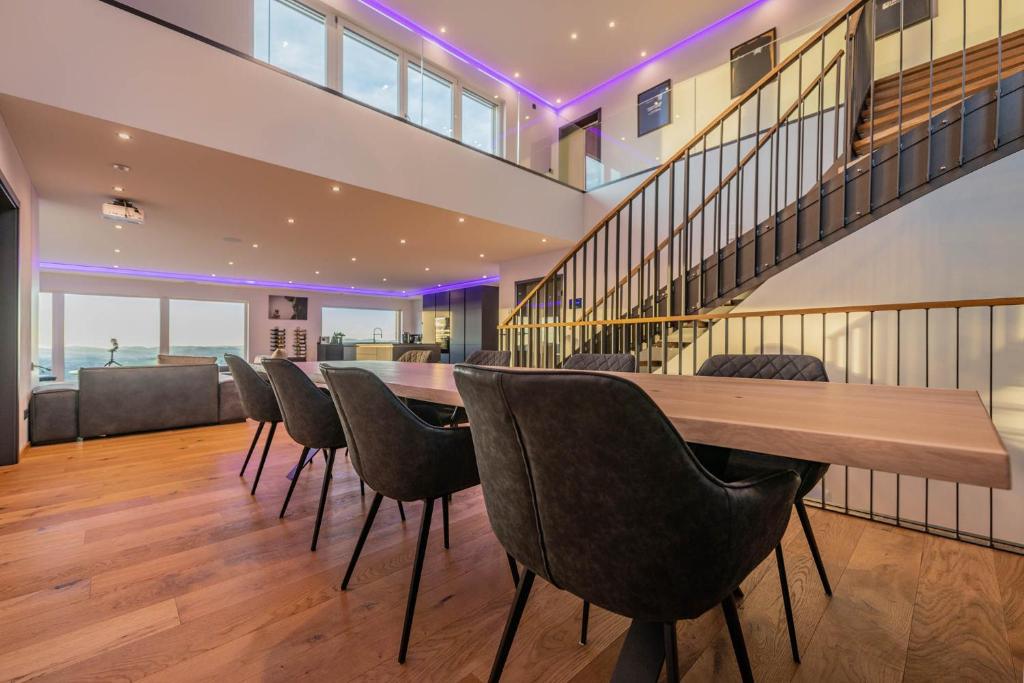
[[746, 464]]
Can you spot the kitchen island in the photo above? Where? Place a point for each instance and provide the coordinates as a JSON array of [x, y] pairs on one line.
[[393, 351]]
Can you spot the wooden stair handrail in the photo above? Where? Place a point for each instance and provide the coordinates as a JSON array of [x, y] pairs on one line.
[[833, 23], [865, 308]]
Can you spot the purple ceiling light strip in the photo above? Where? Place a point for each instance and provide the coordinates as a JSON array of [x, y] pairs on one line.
[[658, 55], [411, 25], [266, 284]]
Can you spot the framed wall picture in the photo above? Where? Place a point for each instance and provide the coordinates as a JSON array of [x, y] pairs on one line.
[[887, 15], [750, 61], [288, 308], [654, 108]]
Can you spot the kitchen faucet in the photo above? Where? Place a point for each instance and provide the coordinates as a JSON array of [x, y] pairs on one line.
[[377, 331]]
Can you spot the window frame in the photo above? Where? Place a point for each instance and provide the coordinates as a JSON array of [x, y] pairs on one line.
[[495, 120], [344, 26], [165, 319], [314, 11], [161, 321], [425, 66]]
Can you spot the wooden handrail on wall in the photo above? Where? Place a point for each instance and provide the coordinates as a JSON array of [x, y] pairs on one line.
[[685, 149], [866, 308]]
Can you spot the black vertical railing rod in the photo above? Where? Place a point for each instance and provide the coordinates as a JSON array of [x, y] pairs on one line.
[[757, 187], [629, 263], [687, 241], [575, 309], [820, 153], [670, 295], [927, 383], [899, 112], [871, 380], [963, 82], [718, 209], [595, 333], [641, 308], [605, 332], [656, 270], [991, 415], [618, 280], [701, 287], [871, 115], [931, 93], [899, 355], [956, 486], [584, 331], [999, 70], [799, 187]]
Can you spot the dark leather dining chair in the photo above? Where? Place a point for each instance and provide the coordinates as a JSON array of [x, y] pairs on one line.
[[311, 421], [258, 403], [402, 457], [415, 357], [497, 359], [561, 495], [743, 464], [600, 362]]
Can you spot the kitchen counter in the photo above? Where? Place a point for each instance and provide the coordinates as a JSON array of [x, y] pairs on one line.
[[392, 351]]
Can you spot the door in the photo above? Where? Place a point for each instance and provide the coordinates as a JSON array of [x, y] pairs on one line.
[[579, 152], [8, 328]]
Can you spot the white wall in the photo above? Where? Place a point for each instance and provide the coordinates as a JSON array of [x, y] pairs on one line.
[[259, 324], [174, 85], [15, 178]]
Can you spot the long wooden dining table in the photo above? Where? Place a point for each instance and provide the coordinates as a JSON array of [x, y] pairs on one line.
[[943, 434]]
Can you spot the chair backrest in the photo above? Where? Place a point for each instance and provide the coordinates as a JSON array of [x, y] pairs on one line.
[[606, 501], [309, 414], [498, 359], [255, 392], [415, 357], [606, 362], [765, 366], [390, 447]]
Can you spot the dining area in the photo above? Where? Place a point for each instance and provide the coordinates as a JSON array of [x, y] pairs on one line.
[[671, 506]]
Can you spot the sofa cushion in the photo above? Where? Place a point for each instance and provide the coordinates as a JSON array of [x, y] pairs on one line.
[[230, 402], [168, 359], [53, 413], [141, 399]]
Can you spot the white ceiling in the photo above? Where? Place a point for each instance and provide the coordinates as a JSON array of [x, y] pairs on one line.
[[532, 37], [205, 208]]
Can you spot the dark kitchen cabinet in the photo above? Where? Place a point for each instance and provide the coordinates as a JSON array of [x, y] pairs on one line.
[[472, 315]]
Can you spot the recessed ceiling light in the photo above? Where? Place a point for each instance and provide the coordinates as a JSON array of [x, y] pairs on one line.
[[611, 24], [401, 241], [117, 266], [336, 188], [543, 239], [403, 291], [353, 258], [118, 188], [444, 30], [439, 285], [122, 168], [573, 36], [118, 227], [231, 263], [213, 274], [117, 251], [427, 268], [289, 282], [124, 136], [351, 286], [461, 219], [250, 282], [623, 138], [527, 117], [291, 220], [255, 246], [316, 272], [558, 100], [515, 75], [383, 279], [481, 255], [643, 53], [495, 97], [284, 43]]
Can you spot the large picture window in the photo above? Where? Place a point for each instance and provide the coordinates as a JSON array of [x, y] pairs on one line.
[[44, 340], [479, 122], [207, 328], [91, 322], [362, 324], [292, 37], [369, 72], [430, 100]]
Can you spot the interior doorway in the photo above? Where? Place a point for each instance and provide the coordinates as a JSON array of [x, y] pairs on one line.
[[8, 327], [579, 152]]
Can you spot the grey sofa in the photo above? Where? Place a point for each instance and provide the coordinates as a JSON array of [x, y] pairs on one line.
[[110, 401]]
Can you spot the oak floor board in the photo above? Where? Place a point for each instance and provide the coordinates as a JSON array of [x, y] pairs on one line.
[[145, 557], [958, 626]]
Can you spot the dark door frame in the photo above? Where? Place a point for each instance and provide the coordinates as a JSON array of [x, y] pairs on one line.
[[9, 326]]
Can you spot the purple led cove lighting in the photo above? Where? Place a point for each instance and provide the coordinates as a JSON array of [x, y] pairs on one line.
[[243, 282], [658, 55], [411, 25]]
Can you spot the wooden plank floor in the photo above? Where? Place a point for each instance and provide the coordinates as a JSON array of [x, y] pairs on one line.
[[145, 557]]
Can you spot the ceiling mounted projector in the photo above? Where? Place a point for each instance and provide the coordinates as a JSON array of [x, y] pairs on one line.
[[123, 210]]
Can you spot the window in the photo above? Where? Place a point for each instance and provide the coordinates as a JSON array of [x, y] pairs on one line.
[[207, 328], [92, 322], [430, 100], [479, 122], [44, 340], [358, 324], [369, 72], [290, 36]]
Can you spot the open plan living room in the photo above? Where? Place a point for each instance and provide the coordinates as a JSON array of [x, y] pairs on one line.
[[451, 340]]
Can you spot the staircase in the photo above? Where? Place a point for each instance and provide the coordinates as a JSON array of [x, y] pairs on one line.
[[815, 150]]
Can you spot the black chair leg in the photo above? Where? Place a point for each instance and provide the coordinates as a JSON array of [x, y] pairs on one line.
[[295, 479], [444, 519], [414, 585], [252, 447], [323, 498], [362, 488], [362, 539], [584, 623], [263, 459], [671, 653], [787, 603], [401, 510], [511, 626], [736, 634], [514, 569], [805, 522]]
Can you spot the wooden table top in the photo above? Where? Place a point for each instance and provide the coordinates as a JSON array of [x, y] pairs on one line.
[[943, 434]]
